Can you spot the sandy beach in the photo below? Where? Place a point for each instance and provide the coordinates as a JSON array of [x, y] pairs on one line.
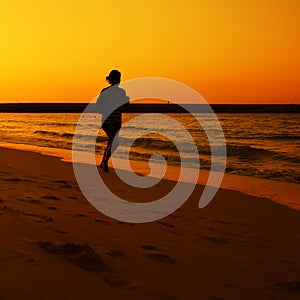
[[55, 245]]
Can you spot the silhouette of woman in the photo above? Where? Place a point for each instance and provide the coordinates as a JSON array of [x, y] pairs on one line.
[[110, 103]]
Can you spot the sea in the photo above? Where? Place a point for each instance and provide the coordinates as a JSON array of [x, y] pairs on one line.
[[258, 144]]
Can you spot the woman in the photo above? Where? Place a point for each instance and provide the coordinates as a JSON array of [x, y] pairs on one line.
[[110, 104]]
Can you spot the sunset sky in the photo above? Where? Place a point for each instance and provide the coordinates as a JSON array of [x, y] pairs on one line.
[[230, 51]]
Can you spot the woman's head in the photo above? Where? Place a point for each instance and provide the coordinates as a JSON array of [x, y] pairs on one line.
[[114, 77]]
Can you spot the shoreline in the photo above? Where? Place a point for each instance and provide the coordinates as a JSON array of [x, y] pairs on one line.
[[282, 192]]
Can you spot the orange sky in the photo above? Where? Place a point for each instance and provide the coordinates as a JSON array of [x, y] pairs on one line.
[[231, 51]]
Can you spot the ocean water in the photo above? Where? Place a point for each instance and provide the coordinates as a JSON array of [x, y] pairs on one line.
[[258, 145]]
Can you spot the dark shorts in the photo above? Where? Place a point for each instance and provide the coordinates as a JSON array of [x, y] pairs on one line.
[[111, 127]]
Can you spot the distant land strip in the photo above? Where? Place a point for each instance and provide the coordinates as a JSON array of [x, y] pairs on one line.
[[150, 108]]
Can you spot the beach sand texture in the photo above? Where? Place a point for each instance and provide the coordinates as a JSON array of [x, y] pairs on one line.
[[55, 245]]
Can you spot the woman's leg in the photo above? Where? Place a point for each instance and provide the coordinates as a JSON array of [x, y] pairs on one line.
[[109, 150], [112, 132]]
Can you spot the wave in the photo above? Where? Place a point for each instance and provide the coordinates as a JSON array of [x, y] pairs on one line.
[[70, 135], [248, 151], [45, 132], [232, 167], [251, 153], [49, 143], [282, 175], [243, 153], [153, 143], [67, 135], [205, 149], [283, 137], [261, 136], [170, 158], [58, 124]]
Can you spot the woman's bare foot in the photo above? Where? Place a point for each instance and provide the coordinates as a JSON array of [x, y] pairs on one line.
[[104, 167]]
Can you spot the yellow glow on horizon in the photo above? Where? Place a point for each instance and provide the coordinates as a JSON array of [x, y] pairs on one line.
[[229, 51]]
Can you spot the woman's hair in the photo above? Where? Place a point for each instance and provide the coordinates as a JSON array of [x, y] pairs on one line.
[[114, 76]]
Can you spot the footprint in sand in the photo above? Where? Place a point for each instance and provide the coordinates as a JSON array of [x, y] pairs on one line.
[[16, 179], [49, 197], [60, 231], [115, 253], [82, 256], [217, 240], [63, 183], [35, 217], [52, 207], [158, 256], [149, 247], [31, 201], [125, 223], [13, 179], [223, 222], [30, 260], [166, 224], [162, 258], [10, 210], [117, 282], [289, 286], [101, 221], [80, 215]]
